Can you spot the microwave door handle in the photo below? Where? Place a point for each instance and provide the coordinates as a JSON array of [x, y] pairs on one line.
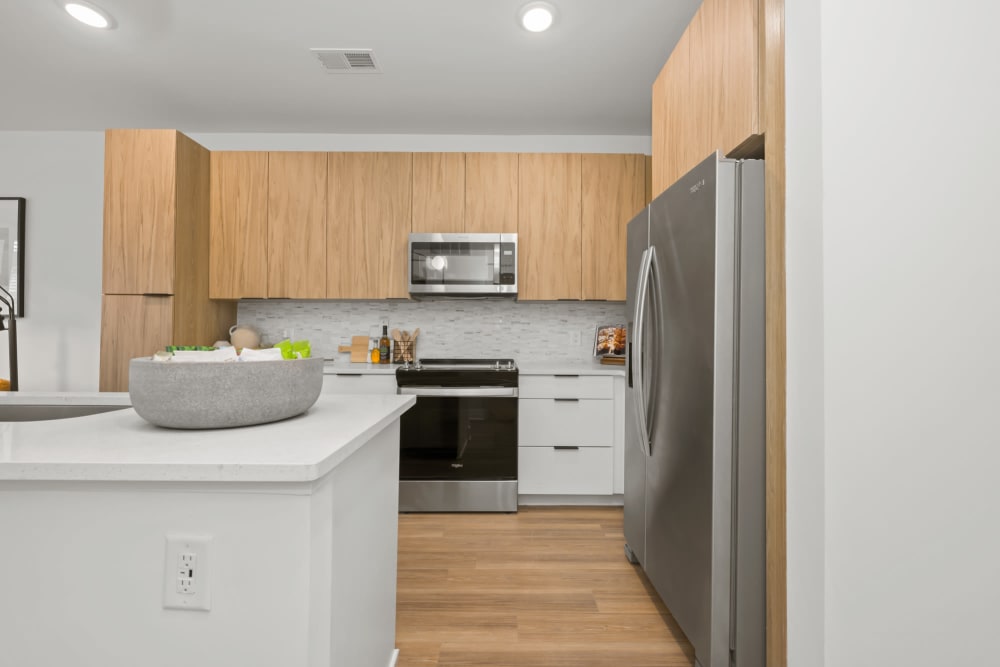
[[496, 263]]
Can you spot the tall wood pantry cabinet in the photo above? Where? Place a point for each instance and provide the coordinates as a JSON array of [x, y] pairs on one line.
[[156, 250], [707, 96]]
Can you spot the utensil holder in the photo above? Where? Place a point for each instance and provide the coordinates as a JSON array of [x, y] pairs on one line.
[[403, 351]]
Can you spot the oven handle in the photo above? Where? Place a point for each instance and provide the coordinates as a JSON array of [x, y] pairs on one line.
[[460, 392]]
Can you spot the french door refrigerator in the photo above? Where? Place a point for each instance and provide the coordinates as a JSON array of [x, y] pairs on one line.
[[694, 451]]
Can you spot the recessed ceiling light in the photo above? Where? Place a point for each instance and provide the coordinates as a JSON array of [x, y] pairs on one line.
[[89, 14], [537, 16]]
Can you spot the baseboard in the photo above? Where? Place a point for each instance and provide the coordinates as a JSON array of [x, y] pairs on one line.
[[395, 657], [615, 500]]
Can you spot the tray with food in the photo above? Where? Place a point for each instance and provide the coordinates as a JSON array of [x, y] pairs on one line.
[[610, 341]]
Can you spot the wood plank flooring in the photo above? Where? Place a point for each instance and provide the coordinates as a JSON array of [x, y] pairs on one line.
[[546, 587]]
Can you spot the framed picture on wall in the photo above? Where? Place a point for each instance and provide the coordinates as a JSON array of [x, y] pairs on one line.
[[12, 250]]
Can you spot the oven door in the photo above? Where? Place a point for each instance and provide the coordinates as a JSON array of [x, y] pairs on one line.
[[459, 434]]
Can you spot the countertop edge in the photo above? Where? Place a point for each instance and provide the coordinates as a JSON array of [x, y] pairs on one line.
[[48, 472]]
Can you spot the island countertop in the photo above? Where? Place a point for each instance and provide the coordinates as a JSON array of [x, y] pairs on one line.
[[121, 446]]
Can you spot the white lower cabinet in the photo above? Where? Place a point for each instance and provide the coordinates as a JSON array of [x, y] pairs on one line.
[[567, 435], [359, 383], [565, 471], [583, 422]]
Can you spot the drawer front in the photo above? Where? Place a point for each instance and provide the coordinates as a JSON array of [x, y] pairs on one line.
[[547, 470], [566, 386], [359, 384], [544, 422]]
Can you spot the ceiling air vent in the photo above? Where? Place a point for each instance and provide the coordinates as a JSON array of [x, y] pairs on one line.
[[353, 61]]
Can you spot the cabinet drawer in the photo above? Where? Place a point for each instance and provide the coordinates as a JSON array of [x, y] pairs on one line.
[[344, 383], [543, 422], [566, 386], [583, 471]]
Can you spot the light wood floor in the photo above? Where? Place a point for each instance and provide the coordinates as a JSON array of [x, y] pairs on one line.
[[546, 587]]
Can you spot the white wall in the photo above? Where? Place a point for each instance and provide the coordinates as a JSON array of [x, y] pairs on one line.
[[804, 270], [907, 348], [61, 174]]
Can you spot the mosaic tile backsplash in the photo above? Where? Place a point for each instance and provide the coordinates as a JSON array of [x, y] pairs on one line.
[[471, 328]]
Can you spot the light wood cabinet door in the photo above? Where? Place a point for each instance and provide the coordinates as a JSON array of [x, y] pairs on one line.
[[296, 225], [671, 117], [438, 192], [491, 193], [139, 210], [549, 226], [132, 326], [707, 96], [368, 225], [736, 44], [238, 225], [613, 193]]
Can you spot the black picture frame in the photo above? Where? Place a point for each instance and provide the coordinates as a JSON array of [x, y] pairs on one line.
[[12, 249]]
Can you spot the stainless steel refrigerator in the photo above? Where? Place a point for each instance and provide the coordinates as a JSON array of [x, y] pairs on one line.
[[694, 451]]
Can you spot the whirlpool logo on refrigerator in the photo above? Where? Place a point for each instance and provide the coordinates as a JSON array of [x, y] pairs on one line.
[[697, 186]]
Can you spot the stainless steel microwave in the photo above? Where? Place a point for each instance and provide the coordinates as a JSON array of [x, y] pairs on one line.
[[463, 264]]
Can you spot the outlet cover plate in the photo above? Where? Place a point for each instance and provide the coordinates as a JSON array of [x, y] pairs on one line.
[[186, 573]]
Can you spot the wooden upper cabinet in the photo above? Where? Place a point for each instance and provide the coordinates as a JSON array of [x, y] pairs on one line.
[[737, 44], [296, 225], [613, 193], [672, 118], [549, 226], [368, 224], [438, 192], [707, 96], [238, 227], [140, 199], [491, 193], [392, 213]]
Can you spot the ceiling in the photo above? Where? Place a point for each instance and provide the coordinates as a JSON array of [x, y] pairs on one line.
[[449, 66]]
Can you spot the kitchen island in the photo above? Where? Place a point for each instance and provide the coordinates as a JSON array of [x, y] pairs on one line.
[[298, 521]]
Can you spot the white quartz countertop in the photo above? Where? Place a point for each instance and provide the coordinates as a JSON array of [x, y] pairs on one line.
[[121, 446], [64, 398], [569, 368], [338, 367]]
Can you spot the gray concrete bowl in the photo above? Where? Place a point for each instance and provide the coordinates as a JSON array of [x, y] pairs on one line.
[[222, 394]]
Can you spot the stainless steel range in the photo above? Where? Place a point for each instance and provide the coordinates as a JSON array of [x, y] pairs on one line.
[[458, 444]]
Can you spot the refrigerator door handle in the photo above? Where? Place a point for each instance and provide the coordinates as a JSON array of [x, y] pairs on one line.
[[652, 278], [639, 353]]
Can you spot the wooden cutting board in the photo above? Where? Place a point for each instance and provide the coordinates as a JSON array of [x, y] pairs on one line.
[[359, 349]]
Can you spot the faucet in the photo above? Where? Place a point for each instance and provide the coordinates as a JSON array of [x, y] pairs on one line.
[[11, 335]]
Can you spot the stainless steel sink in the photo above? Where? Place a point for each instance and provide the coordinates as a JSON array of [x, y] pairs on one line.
[[37, 413]]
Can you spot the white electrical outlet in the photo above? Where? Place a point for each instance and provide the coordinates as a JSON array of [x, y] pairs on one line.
[[574, 339], [185, 573]]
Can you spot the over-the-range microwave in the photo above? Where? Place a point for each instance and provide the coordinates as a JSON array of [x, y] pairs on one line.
[[463, 265]]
